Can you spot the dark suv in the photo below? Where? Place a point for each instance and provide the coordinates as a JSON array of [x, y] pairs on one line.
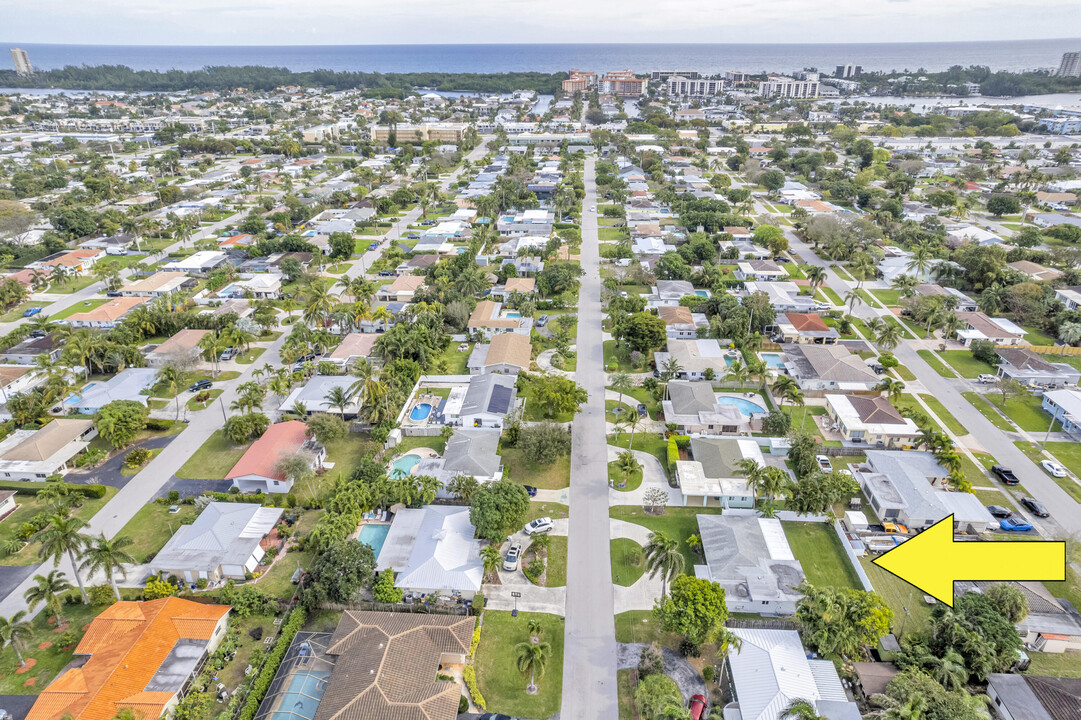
[[199, 385]]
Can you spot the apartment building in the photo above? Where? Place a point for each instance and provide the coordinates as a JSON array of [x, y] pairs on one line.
[[622, 82], [579, 81], [681, 86], [786, 87], [1069, 67], [22, 62], [848, 71], [664, 75], [439, 132]]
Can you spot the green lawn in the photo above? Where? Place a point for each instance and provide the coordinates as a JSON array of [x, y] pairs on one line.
[[1070, 589], [906, 374], [898, 594], [1025, 411], [17, 312], [831, 295], [72, 285], [932, 359], [1069, 454], [614, 412], [29, 506], [85, 306], [819, 551], [539, 509], [640, 626], [48, 662], [550, 477], [213, 460], [250, 355], [1067, 664], [964, 363], [640, 395], [129, 471], [652, 443], [613, 362], [195, 405], [630, 481], [455, 361], [152, 527], [503, 687], [677, 522], [557, 561], [1035, 336], [939, 409], [628, 561], [611, 234], [981, 403], [842, 273], [888, 297], [907, 402]]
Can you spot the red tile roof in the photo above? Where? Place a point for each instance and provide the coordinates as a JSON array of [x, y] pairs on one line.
[[807, 321], [278, 441]]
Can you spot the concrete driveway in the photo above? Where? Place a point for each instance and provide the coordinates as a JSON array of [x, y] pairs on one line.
[[652, 477]]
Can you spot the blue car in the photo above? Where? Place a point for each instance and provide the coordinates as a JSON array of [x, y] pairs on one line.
[[373, 246], [31, 312], [1014, 525]]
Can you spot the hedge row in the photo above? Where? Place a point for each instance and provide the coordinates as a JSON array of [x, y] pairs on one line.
[[271, 663], [675, 444], [31, 488]]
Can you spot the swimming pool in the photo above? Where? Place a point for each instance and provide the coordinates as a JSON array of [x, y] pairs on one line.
[[374, 536], [77, 397], [420, 411], [772, 360], [513, 315], [302, 698], [403, 465], [702, 293], [746, 407]]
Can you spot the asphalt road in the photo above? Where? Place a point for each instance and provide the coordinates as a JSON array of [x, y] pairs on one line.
[[590, 653]]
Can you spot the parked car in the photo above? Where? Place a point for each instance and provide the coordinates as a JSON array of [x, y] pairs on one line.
[[540, 525], [895, 528], [373, 245], [1014, 525], [510, 560], [642, 409], [199, 385], [31, 312], [542, 321], [495, 716], [532, 491], [386, 273], [228, 354], [113, 293], [412, 236], [1053, 468], [1005, 474], [999, 511], [986, 378], [1035, 507], [824, 463], [697, 706]]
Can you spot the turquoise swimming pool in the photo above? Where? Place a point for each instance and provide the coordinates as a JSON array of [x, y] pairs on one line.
[[374, 536], [773, 359], [514, 314], [302, 698], [702, 293], [403, 465], [420, 411], [746, 407]]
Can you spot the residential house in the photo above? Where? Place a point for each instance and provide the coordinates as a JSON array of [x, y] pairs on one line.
[[695, 357], [15, 379], [1035, 271], [871, 420], [828, 367], [759, 270], [158, 284], [714, 472], [525, 286], [312, 396], [1034, 697], [387, 666], [964, 302], [182, 348], [1028, 368], [353, 347], [489, 318], [200, 263], [785, 297], [668, 293], [128, 384], [745, 249], [432, 549], [468, 452], [28, 351], [804, 328], [772, 669], [751, 559], [738, 233], [402, 289], [508, 353], [1070, 296], [34, 455], [7, 503], [1064, 406], [970, 234], [977, 326], [526, 222], [224, 543], [483, 401], [107, 315], [693, 407], [257, 470], [71, 262], [1052, 625], [262, 287], [135, 655], [906, 486], [680, 322]]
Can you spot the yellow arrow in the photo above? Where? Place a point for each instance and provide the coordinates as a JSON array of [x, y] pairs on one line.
[[933, 561]]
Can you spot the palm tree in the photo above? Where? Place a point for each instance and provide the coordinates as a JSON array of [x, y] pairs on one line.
[[63, 536], [108, 555], [852, 299], [817, 276], [533, 658], [1069, 333], [950, 670], [633, 420], [173, 380], [48, 590], [15, 631], [491, 558], [920, 262], [663, 556], [888, 336], [535, 628], [622, 383], [800, 710], [892, 388], [737, 372]]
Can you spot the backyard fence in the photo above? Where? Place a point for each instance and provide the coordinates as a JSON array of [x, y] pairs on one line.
[[442, 608], [852, 558]]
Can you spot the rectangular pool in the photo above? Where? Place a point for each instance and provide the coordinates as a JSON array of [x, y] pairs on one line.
[[302, 698], [772, 360], [374, 536]]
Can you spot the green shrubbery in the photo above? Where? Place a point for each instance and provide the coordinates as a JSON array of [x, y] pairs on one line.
[[270, 666]]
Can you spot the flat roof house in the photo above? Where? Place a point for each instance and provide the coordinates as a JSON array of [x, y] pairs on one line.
[[484, 403], [804, 328], [386, 666], [1028, 368], [158, 284], [222, 543], [508, 353], [785, 297], [828, 367], [137, 655], [694, 357], [34, 455], [906, 486], [181, 347], [871, 420], [128, 384], [772, 669], [263, 286], [978, 326], [199, 263], [751, 559], [256, 471], [108, 315], [693, 407], [1035, 271], [432, 549]]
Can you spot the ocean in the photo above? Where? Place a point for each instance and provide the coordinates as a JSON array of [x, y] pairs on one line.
[[642, 58]]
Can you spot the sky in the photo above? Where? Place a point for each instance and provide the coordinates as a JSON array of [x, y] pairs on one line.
[[357, 22]]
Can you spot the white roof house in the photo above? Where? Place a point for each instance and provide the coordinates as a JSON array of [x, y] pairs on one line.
[[432, 549], [223, 542], [771, 669], [201, 262], [127, 384]]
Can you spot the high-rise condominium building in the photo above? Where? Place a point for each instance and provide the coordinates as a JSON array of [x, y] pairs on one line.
[[848, 71], [786, 87], [22, 62], [579, 81], [1070, 66], [679, 86]]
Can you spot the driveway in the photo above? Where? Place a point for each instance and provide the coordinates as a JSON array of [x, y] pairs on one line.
[[652, 477], [109, 473]]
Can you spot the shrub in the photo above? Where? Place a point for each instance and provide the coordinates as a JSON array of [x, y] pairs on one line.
[[174, 496], [463, 705], [673, 454], [157, 588], [101, 595], [256, 633], [384, 591], [470, 677], [534, 570], [137, 457], [68, 638], [651, 662], [158, 424], [707, 673], [262, 682], [984, 350], [776, 423], [475, 642]]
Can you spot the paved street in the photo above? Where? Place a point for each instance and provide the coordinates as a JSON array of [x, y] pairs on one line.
[[589, 665]]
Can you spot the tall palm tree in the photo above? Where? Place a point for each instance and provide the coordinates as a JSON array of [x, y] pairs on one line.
[[737, 372], [817, 276], [491, 558], [172, 379], [340, 398], [950, 670], [108, 555], [892, 388], [15, 631], [533, 658], [621, 382], [1069, 333], [663, 556], [48, 590], [63, 536], [888, 336]]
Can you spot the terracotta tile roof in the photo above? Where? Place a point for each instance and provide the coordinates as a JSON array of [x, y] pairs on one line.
[[278, 441], [127, 644], [185, 340], [522, 285], [807, 322], [510, 348], [354, 345], [675, 315], [112, 310], [482, 317], [406, 283], [11, 373], [386, 666], [155, 282]]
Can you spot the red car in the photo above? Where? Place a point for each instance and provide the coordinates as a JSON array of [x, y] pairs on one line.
[[697, 707]]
